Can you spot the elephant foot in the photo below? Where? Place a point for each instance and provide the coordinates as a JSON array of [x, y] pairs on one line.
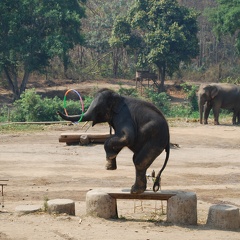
[[137, 189], [140, 185], [111, 164]]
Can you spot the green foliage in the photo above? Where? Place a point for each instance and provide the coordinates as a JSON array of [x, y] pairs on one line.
[[166, 34], [87, 101], [191, 95], [4, 110], [231, 80], [225, 18], [100, 19], [160, 100], [182, 111], [33, 32], [188, 109], [128, 91], [122, 35], [31, 107]]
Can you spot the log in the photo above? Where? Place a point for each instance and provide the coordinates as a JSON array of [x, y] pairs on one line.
[[76, 138]]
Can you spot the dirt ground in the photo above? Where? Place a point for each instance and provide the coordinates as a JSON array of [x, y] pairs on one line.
[[39, 167]]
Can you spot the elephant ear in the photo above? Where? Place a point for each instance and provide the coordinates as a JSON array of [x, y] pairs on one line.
[[214, 92], [118, 103]]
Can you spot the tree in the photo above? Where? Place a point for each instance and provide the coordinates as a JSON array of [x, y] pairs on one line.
[[165, 33], [101, 15], [225, 18], [32, 32]]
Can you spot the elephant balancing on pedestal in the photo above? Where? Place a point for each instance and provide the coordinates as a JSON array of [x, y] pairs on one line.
[[137, 124], [216, 96]]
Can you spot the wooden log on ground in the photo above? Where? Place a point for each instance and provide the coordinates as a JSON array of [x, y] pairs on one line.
[[83, 138]]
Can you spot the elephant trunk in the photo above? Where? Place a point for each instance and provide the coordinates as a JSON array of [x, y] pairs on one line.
[[75, 118]]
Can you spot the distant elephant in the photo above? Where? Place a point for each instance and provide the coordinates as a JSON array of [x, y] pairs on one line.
[[137, 124], [218, 95]]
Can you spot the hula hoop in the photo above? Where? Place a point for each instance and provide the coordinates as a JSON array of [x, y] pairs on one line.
[[65, 103]]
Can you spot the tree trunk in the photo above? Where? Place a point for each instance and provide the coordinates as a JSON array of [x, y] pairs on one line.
[[12, 78], [161, 76], [115, 62], [13, 83], [24, 82]]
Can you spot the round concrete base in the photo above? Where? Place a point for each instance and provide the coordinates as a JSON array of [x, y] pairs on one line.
[[182, 208], [224, 217], [61, 206], [101, 204], [26, 209]]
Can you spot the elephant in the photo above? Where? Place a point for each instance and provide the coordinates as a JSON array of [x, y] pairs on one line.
[[218, 95], [137, 124]]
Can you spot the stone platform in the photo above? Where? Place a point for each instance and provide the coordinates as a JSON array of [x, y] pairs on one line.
[[181, 206], [224, 216]]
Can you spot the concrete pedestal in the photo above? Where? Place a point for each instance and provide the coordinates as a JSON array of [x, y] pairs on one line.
[[101, 204], [182, 208], [61, 206], [26, 209], [224, 217]]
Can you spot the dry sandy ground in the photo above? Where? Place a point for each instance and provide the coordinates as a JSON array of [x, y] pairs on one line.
[[39, 167]]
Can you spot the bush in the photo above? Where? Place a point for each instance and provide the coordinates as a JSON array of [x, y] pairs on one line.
[[160, 100], [231, 80], [182, 111], [191, 95], [4, 114], [32, 108], [128, 91]]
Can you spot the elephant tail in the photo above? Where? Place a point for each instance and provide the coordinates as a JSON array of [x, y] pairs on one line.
[[156, 184]]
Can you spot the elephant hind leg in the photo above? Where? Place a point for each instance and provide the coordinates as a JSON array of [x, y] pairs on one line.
[[142, 162]]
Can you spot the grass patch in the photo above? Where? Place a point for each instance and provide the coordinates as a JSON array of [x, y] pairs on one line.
[[12, 127]]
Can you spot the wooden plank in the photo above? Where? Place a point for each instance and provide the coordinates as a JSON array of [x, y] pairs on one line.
[[147, 195]]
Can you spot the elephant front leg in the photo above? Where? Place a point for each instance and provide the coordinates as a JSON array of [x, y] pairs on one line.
[[111, 164], [112, 147]]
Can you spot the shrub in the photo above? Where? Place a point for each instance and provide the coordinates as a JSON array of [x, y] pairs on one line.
[[31, 107], [161, 100], [191, 96], [128, 91], [4, 114]]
